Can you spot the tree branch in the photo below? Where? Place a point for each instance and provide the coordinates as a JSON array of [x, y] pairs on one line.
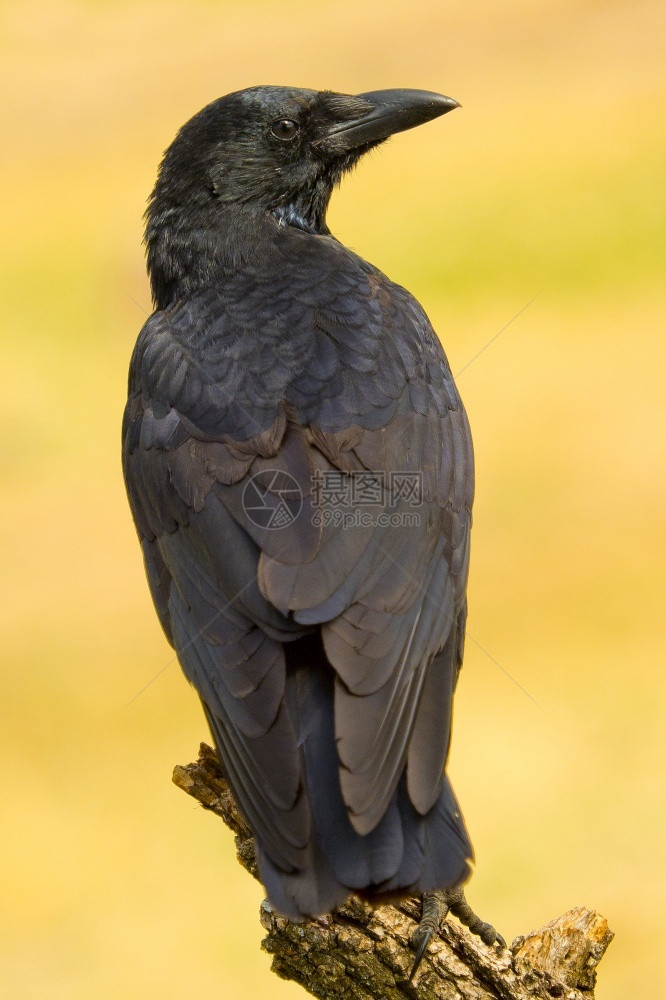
[[360, 952]]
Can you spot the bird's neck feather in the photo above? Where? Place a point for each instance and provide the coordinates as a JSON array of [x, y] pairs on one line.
[[187, 250]]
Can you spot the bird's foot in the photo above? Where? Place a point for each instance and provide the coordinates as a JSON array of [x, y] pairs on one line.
[[436, 905], [434, 910], [461, 909]]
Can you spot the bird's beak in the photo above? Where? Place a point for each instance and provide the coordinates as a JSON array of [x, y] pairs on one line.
[[382, 113]]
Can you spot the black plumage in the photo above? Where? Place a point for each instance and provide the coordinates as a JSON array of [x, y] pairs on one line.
[[325, 654]]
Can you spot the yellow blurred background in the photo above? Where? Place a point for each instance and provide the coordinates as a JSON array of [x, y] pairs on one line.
[[550, 182]]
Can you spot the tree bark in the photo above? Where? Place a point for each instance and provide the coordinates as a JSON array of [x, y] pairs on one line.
[[360, 952]]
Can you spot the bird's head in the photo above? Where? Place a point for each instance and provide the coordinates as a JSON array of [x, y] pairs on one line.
[[271, 151]]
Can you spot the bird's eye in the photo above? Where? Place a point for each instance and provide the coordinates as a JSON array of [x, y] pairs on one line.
[[285, 128]]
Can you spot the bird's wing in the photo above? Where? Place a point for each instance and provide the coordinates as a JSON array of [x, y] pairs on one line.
[[202, 569], [389, 594], [337, 373]]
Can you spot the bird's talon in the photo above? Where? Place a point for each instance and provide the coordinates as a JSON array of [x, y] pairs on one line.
[[419, 941]]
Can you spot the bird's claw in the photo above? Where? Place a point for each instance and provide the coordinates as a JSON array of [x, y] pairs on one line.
[[434, 910], [420, 941], [436, 905], [461, 909]]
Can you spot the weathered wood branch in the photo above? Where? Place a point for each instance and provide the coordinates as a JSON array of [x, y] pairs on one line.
[[360, 952]]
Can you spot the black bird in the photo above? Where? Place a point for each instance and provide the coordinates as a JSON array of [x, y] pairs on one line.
[[299, 467]]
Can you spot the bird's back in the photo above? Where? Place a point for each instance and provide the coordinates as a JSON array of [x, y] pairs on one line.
[[325, 648]]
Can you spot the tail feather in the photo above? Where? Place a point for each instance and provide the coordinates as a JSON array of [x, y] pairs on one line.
[[405, 854]]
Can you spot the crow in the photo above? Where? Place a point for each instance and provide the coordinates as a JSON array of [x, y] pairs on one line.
[[299, 468]]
